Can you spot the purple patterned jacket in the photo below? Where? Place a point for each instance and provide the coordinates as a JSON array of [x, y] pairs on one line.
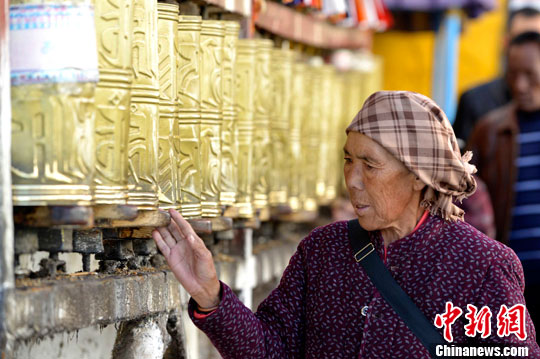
[[316, 311]]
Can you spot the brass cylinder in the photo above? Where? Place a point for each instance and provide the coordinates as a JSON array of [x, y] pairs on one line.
[[142, 145], [113, 31], [282, 63], [311, 136], [344, 122], [212, 39], [245, 109], [324, 125], [168, 149], [53, 116], [229, 145], [262, 148], [296, 188], [335, 136], [189, 116]]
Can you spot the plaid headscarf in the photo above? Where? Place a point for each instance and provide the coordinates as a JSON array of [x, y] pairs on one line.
[[414, 129]]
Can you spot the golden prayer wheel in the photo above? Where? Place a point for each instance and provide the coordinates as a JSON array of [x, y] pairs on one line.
[[261, 140], [245, 109], [112, 97], [53, 113], [324, 126], [212, 39], [335, 137], [189, 116], [311, 136], [296, 188], [168, 148], [282, 63], [343, 122], [229, 146], [142, 145]]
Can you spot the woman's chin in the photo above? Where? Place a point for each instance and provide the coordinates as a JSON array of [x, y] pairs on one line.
[[366, 222]]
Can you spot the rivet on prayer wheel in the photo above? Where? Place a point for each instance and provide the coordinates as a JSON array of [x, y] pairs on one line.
[[142, 145], [212, 38], [113, 31], [53, 113], [168, 149], [189, 115], [244, 104]]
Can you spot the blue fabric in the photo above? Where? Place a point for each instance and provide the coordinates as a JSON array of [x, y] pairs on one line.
[[525, 235]]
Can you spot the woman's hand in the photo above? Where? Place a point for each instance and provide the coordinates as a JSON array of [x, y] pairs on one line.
[[189, 259]]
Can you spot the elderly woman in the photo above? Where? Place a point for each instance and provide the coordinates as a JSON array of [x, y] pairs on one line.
[[403, 169]]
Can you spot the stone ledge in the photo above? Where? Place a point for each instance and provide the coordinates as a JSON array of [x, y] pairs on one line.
[[67, 305]]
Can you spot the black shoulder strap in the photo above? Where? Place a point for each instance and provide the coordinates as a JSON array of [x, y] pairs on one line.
[[364, 253]]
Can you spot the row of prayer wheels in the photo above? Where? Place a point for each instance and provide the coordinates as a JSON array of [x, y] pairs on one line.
[[185, 115]]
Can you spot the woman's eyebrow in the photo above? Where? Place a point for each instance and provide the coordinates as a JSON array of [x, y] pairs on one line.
[[364, 157]]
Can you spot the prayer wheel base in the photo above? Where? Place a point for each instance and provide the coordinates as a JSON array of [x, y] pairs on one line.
[[263, 214], [147, 201], [227, 198], [245, 210], [278, 198], [300, 217], [310, 205], [210, 209], [294, 204], [190, 210], [260, 201], [110, 195], [51, 195], [231, 211]]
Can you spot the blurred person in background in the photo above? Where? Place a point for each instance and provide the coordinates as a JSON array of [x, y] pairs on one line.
[[506, 147], [478, 101]]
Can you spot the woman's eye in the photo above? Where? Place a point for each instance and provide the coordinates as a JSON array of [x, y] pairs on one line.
[[347, 159], [368, 166]]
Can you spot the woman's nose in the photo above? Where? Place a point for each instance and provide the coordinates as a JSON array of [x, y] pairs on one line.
[[354, 179]]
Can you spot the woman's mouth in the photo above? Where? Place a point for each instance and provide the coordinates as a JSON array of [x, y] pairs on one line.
[[360, 208]]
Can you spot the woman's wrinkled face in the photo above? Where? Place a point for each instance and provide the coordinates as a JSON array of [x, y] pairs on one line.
[[381, 188]]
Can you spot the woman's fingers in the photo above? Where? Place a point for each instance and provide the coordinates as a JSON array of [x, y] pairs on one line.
[[167, 236], [183, 225], [160, 243], [175, 231]]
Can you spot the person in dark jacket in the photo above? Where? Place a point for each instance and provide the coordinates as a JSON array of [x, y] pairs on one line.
[[478, 101], [506, 146], [403, 170]]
